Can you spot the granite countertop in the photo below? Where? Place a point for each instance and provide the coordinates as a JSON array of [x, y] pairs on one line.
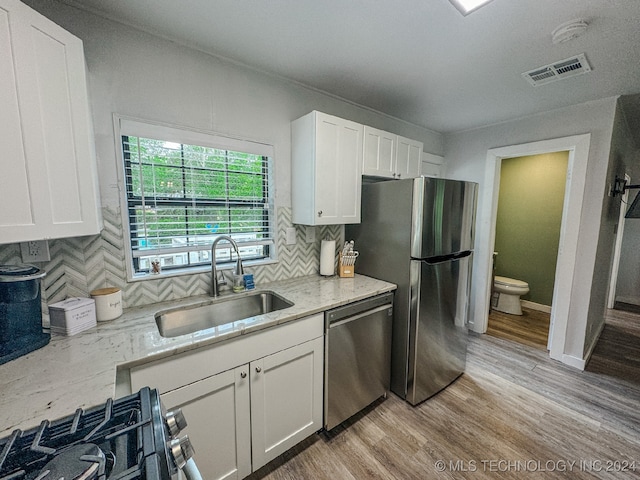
[[80, 371]]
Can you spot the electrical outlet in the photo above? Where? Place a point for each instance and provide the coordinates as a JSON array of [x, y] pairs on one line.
[[35, 251], [310, 234], [290, 236]]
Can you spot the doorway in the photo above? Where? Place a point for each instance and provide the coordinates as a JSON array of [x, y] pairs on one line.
[[527, 238], [578, 148], [617, 253]]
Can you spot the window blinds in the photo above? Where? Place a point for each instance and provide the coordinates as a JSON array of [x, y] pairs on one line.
[[180, 196]]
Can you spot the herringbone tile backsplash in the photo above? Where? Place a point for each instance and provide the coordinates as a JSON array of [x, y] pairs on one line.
[[79, 265]]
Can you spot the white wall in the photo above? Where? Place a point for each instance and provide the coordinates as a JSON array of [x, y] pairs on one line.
[[136, 74], [466, 159], [621, 156], [628, 154]]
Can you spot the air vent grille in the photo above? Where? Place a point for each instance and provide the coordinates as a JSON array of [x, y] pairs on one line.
[[569, 67]]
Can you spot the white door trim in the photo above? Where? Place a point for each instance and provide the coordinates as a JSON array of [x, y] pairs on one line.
[[611, 299], [578, 148]]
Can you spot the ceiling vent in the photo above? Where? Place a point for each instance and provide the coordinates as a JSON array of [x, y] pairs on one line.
[[569, 67]]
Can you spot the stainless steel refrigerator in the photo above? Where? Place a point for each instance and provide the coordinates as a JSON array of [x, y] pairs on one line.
[[418, 233]]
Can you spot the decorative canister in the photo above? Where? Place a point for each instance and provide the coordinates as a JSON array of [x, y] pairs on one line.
[[108, 303], [73, 315]]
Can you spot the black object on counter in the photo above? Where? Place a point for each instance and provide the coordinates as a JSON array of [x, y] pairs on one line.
[[20, 311]]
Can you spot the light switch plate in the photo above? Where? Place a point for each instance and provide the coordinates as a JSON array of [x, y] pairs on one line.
[[310, 234], [290, 236], [35, 251]]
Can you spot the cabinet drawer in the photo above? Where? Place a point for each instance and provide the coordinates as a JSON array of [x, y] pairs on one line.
[[174, 372]]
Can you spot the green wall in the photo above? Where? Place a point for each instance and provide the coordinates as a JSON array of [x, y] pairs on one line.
[[529, 219]]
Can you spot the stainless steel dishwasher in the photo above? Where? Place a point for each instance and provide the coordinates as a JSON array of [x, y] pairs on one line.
[[357, 357]]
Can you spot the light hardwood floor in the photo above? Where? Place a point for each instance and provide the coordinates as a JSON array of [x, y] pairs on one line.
[[514, 414], [531, 328]]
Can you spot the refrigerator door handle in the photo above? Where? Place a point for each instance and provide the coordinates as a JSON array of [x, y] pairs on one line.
[[446, 258], [438, 259]]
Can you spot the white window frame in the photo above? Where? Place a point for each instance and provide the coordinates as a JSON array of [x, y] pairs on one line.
[[170, 133]]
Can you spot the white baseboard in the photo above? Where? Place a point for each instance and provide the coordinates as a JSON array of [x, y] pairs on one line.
[[536, 306], [594, 342], [581, 363], [575, 362]]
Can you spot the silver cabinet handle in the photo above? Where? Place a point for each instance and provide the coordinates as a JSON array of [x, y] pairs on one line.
[[399, 175], [258, 369], [320, 213], [243, 374]]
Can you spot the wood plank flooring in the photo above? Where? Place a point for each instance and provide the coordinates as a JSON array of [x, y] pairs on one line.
[[514, 414], [627, 307], [531, 328]]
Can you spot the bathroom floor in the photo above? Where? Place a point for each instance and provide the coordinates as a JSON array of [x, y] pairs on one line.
[[531, 328]]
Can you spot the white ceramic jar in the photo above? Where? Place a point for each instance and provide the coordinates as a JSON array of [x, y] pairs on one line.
[[108, 303]]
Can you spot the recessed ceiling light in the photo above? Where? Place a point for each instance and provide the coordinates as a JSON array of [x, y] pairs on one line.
[[467, 6]]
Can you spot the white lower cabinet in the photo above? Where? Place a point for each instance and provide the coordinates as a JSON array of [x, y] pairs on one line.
[[267, 399], [219, 425], [286, 399]]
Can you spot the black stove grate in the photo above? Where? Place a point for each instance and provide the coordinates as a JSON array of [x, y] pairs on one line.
[[129, 431]]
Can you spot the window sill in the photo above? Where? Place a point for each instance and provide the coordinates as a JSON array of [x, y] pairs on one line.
[[179, 272]]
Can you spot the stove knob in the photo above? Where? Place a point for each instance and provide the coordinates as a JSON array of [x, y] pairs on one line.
[[182, 450], [175, 421]]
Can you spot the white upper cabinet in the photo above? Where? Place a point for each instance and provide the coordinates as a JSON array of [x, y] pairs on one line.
[[49, 177], [389, 155], [408, 158], [326, 166], [379, 155], [329, 155], [432, 165]]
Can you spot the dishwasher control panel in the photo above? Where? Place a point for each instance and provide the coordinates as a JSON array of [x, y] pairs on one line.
[[358, 307]]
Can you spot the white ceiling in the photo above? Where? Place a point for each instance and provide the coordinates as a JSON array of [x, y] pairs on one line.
[[418, 60]]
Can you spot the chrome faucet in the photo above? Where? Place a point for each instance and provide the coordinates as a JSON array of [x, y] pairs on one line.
[[237, 270]]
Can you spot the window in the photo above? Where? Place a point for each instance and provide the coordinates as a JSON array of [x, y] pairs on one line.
[[183, 189]]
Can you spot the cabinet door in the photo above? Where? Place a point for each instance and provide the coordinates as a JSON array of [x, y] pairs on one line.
[[17, 186], [219, 423], [286, 399], [408, 158], [51, 181], [379, 153], [431, 165], [338, 170]]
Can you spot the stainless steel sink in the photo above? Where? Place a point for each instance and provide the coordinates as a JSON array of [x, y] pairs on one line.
[[223, 311]]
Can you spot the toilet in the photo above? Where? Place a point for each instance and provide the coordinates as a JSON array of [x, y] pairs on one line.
[[506, 294]]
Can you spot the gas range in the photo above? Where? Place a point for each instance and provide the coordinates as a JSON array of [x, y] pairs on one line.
[[124, 439]]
